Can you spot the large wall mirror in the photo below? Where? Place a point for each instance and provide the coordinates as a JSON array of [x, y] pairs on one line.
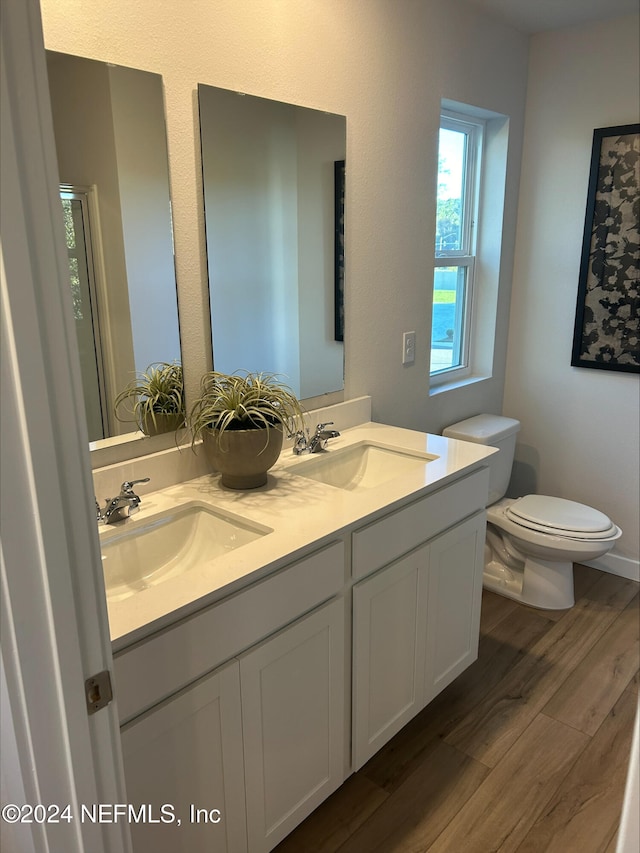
[[112, 157], [271, 221]]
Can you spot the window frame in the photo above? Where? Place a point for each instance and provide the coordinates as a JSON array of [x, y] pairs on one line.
[[474, 130]]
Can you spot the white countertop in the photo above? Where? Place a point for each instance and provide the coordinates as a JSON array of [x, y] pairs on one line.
[[301, 513]]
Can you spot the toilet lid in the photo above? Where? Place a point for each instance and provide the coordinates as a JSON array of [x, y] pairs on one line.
[[560, 517]]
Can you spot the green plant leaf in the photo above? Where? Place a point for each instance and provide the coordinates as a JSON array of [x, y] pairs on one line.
[[157, 390], [243, 400]]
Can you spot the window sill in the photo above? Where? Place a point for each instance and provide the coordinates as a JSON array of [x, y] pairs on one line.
[[461, 382]]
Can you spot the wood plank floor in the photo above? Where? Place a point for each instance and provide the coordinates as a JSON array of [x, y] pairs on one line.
[[526, 751]]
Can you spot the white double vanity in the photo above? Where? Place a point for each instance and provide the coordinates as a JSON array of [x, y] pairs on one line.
[[253, 677]]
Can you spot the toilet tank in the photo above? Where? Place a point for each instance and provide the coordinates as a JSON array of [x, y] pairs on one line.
[[494, 431]]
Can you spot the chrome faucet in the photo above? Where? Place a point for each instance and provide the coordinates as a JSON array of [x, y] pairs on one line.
[[122, 506], [317, 443]]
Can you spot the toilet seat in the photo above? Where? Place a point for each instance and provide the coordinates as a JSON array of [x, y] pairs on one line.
[[560, 517]]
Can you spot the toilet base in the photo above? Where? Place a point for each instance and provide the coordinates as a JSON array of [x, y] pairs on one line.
[[544, 584]]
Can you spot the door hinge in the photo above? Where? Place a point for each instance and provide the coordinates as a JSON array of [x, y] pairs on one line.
[[98, 691]]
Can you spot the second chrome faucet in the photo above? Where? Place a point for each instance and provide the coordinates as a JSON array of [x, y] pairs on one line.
[[122, 506], [317, 442]]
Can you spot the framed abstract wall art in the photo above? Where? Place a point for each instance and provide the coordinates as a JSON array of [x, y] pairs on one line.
[[607, 328]]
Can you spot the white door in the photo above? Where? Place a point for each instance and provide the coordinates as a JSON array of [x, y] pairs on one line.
[[54, 618], [389, 638], [453, 602], [184, 759], [293, 723]]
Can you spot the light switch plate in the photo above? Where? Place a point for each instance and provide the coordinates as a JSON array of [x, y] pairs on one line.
[[408, 347]]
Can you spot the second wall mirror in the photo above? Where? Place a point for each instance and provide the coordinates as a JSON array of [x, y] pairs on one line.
[[272, 215]]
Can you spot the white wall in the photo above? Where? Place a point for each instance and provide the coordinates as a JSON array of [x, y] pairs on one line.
[[268, 173], [579, 437], [250, 176], [139, 133], [86, 151], [385, 64]]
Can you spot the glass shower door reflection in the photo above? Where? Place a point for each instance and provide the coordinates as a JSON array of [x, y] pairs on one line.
[[85, 309]]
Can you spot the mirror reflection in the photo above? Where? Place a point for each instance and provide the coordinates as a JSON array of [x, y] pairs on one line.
[[269, 174], [112, 157]]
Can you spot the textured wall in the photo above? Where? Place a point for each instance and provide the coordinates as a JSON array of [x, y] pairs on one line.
[[385, 64]]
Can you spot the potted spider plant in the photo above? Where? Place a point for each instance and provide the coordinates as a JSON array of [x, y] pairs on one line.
[[154, 400], [241, 418]]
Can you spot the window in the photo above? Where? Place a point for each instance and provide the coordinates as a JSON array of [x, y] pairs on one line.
[[459, 166]]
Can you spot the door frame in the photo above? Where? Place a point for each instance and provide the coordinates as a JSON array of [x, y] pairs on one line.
[[54, 626]]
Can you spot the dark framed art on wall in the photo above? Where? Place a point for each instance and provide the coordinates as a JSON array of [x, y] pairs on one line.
[[339, 249], [606, 333]]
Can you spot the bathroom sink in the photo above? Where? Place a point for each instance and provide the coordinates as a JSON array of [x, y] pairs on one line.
[[140, 554], [362, 466]]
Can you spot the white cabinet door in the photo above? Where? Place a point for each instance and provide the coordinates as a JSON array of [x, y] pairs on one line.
[[415, 628], [453, 602], [186, 754], [293, 720], [389, 641]]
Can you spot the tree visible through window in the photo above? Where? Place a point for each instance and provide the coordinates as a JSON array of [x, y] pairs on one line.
[[456, 211]]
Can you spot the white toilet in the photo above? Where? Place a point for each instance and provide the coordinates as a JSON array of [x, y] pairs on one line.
[[533, 541]]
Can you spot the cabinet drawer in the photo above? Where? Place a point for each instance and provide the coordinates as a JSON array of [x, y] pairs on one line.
[[400, 532], [159, 666]]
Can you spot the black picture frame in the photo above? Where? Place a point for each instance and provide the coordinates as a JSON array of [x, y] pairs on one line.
[[606, 334], [339, 250]]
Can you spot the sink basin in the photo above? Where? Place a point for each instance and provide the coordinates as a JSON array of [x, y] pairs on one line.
[[137, 555], [362, 466]]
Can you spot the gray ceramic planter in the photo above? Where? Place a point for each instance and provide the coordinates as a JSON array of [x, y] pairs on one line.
[[243, 456], [164, 422]]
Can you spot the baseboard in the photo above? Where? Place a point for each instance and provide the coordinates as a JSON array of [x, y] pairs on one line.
[[616, 564]]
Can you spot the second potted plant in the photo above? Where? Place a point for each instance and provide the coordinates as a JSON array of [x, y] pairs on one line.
[[241, 418], [155, 399]]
